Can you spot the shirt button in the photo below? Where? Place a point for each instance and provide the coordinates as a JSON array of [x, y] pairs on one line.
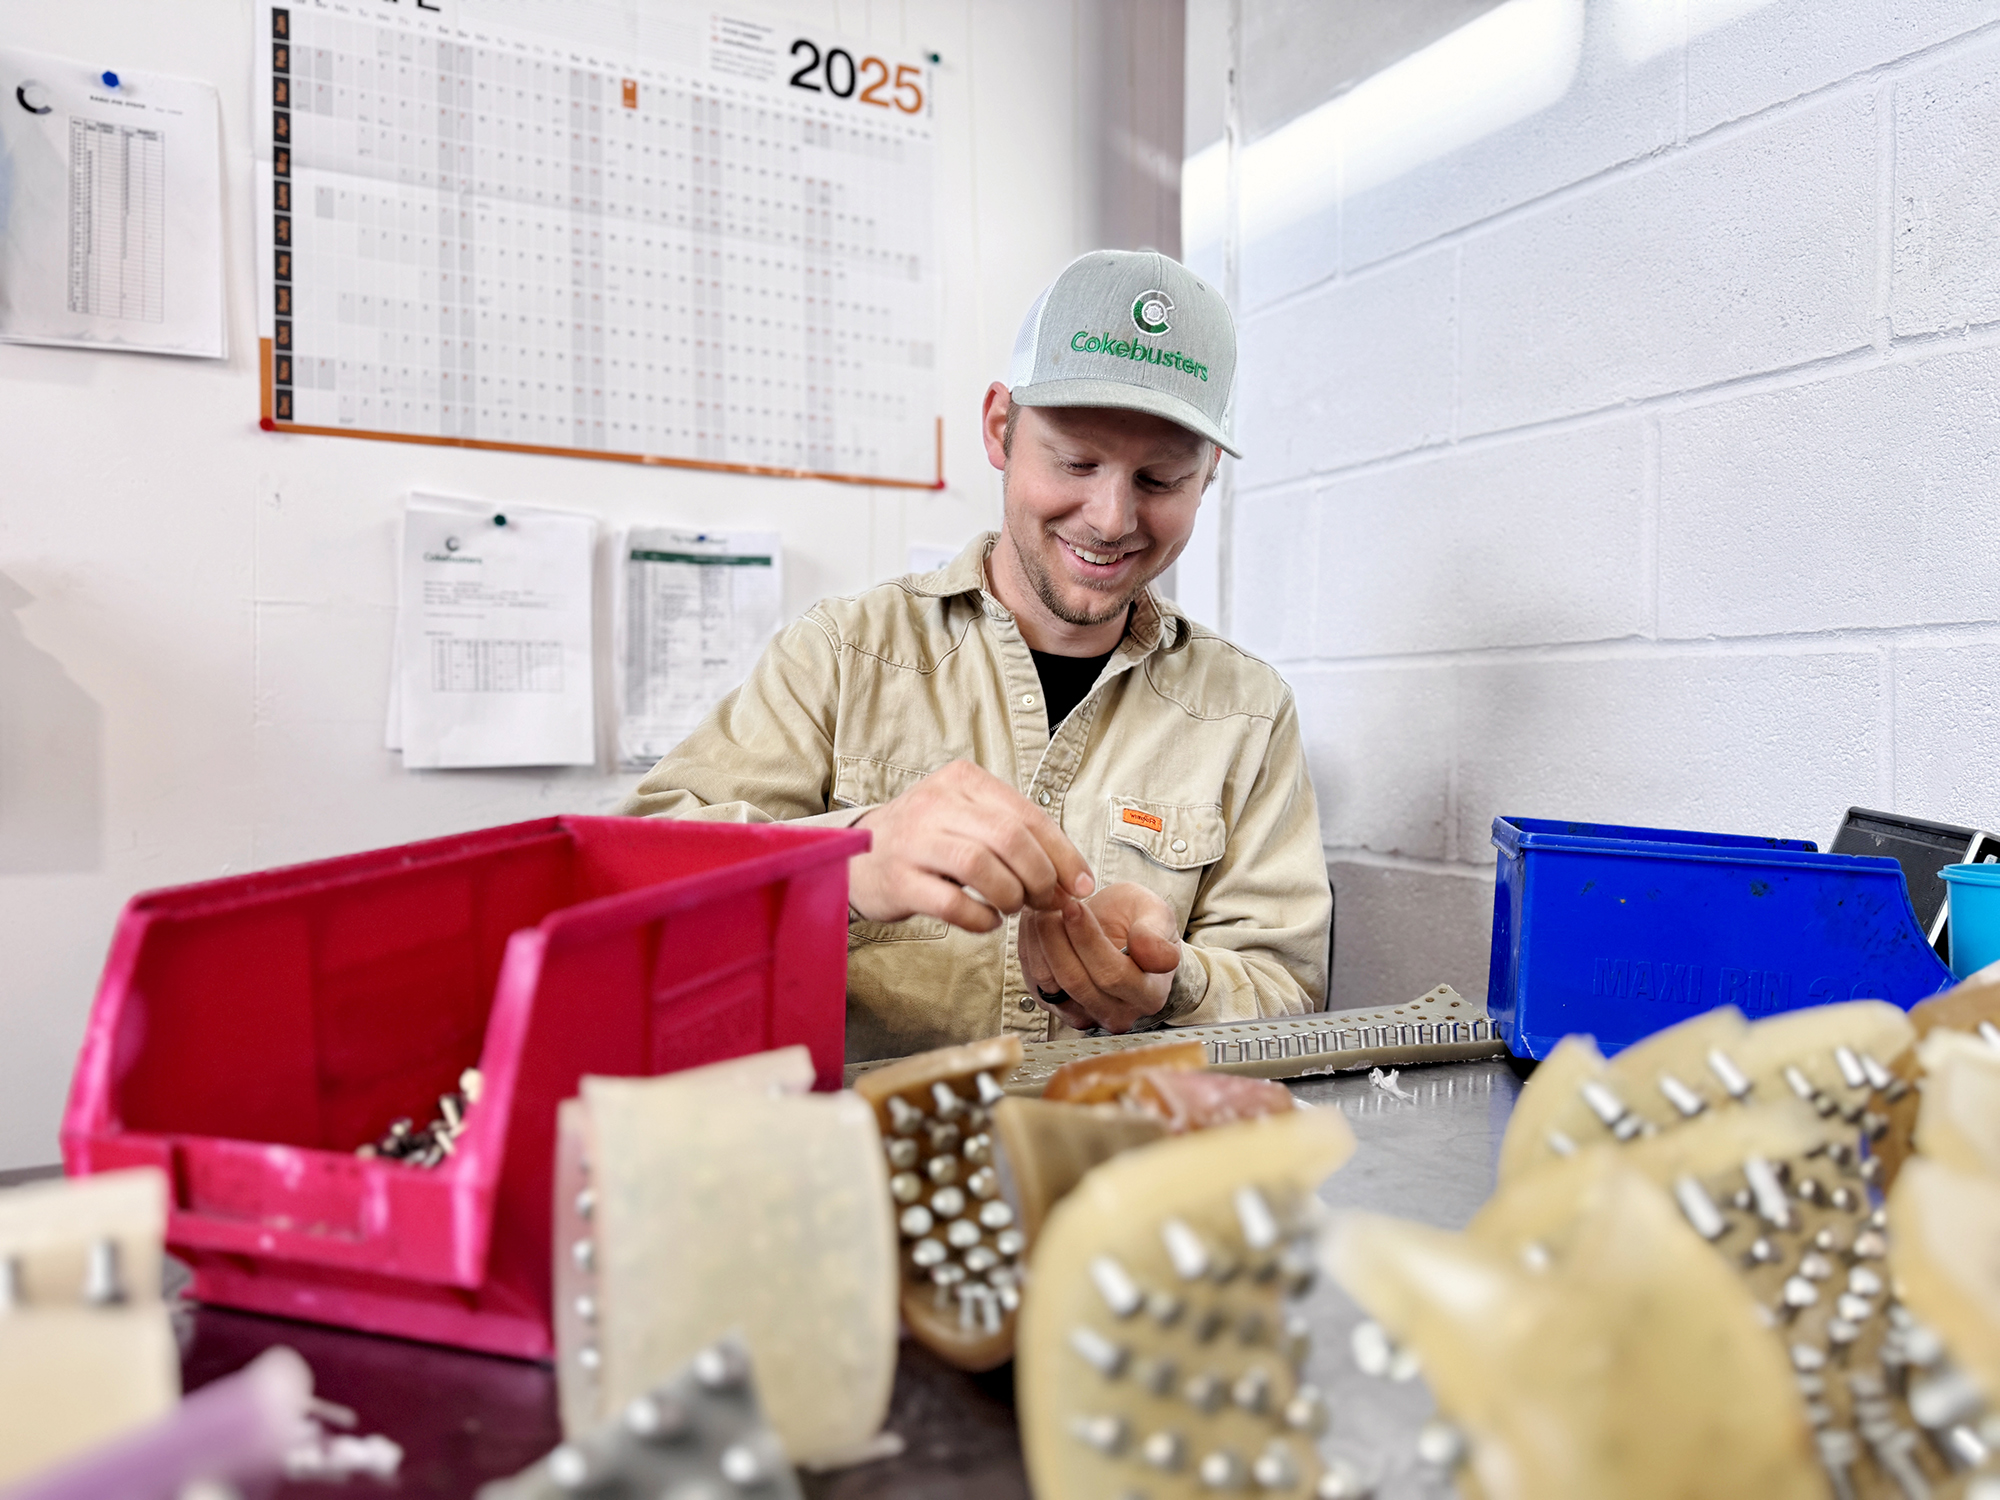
[[1027, 700], [1179, 846], [1027, 1003], [1042, 797]]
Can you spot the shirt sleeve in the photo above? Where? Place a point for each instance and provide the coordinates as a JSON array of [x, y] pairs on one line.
[[765, 753], [1256, 940]]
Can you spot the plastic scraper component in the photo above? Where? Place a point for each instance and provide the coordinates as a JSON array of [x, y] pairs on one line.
[[713, 1200], [1835, 1058], [1101, 1078], [961, 1244], [1627, 1360], [1156, 1353], [86, 1346], [698, 1435]]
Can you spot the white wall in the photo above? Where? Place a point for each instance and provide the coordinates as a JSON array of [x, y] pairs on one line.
[[1621, 401], [195, 616]]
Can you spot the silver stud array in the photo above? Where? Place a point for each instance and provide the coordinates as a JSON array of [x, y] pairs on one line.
[[959, 1233], [1213, 1373]]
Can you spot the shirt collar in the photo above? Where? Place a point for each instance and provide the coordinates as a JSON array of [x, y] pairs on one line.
[[1157, 623]]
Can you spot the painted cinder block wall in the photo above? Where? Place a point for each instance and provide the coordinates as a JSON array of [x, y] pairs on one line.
[[1621, 406]]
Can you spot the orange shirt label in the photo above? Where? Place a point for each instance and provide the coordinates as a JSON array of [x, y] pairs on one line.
[[1143, 819]]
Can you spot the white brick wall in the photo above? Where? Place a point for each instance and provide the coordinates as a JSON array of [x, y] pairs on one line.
[[1636, 458]]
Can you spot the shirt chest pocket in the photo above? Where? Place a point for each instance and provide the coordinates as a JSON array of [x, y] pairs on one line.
[[1163, 846], [859, 782]]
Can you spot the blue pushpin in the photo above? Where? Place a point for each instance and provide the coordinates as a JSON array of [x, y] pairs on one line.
[[110, 79]]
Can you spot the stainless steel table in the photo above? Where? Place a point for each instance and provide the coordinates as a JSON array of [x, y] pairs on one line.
[[465, 1418]]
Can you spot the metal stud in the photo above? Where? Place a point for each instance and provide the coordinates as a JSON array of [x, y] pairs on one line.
[[1732, 1078], [948, 1203], [568, 1467], [980, 1259], [1275, 1468], [1185, 1249], [720, 1367], [996, 1214], [1372, 1347], [1164, 1450], [1440, 1444], [942, 1170], [1252, 1390], [1165, 1308], [1107, 1434], [1221, 1470], [1879, 1078], [927, 1253], [1010, 1242], [906, 1187], [1115, 1285], [1156, 1375], [654, 1418], [943, 1135], [1260, 1225], [961, 1234], [1990, 1034], [744, 1466], [1799, 1292], [978, 1149], [945, 1098], [589, 1357], [103, 1276], [1607, 1106], [1204, 1392], [916, 1221], [584, 1255], [990, 1093], [1097, 1351], [904, 1117], [1306, 1411], [1700, 1209], [902, 1152], [985, 1183], [1561, 1144], [1681, 1097], [1768, 1192], [1851, 1072]]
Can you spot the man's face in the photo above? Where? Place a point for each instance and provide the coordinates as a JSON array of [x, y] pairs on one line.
[[1097, 501]]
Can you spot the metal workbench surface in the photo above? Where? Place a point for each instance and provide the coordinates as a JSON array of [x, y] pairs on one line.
[[464, 1418]]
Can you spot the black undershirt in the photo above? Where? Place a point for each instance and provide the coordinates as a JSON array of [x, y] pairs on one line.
[[1066, 681]]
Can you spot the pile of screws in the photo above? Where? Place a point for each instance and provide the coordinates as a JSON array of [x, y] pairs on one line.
[[428, 1147]]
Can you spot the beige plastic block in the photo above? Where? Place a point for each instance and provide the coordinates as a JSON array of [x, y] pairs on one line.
[[962, 1247], [1958, 1121], [1713, 1061], [1045, 1149], [717, 1205], [1945, 1226], [86, 1348], [1156, 1355], [1630, 1361]]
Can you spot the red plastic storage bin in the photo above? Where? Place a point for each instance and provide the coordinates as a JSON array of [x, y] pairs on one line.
[[249, 1033]]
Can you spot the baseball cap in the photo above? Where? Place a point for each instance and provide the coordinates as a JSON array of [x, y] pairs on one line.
[[1134, 329]]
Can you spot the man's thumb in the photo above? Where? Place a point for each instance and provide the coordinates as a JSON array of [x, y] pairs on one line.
[[1152, 948]]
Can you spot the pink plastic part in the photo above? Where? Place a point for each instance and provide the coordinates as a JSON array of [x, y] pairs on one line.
[[249, 1033], [236, 1428]]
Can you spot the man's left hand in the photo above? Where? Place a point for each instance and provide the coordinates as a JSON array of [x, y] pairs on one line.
[[1076, 950]]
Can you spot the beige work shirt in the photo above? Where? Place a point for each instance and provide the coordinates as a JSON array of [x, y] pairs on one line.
[[1182, 770]]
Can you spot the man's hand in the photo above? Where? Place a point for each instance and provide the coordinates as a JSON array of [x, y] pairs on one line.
[[962, 827], [1076, 949]]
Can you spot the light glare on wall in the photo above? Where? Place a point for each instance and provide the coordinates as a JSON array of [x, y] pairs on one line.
[[1502, 67]]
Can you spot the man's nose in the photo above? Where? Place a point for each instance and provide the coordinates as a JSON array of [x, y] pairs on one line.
[[1112, 509]]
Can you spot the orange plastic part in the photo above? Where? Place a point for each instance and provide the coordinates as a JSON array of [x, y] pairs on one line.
[[1100, 1080]]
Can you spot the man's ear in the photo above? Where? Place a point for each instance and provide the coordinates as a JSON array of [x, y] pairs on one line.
[[993, 424], [1214, 466]]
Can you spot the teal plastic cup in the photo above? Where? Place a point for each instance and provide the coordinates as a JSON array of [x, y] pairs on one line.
[[1974, 892]]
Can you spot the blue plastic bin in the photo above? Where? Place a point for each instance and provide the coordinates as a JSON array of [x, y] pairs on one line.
[[1619, 932]]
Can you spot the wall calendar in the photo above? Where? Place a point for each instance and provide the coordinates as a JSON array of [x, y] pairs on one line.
[[569, 226]]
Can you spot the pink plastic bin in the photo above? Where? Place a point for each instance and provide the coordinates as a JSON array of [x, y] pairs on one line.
[[249, 1033]]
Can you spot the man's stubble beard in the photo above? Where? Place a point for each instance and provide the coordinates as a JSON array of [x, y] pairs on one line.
[[1044, 583]]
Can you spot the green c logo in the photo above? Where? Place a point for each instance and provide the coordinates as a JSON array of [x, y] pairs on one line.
[[1151, 312]]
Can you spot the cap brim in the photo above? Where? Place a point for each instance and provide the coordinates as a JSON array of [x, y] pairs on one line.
[[1128, 397]]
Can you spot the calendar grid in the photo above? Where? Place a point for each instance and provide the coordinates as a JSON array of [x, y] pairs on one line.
[[481, 237]]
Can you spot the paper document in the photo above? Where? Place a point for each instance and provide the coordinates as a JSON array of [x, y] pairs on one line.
[[697, 610], [110, 208], [493, 658]]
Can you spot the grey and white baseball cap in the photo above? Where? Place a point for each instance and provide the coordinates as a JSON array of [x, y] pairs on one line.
[[1135, 329]]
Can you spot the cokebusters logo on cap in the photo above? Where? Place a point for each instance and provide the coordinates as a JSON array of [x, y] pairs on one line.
[[1085, 342], [1150, 313]]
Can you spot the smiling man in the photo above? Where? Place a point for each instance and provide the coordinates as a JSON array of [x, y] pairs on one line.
[[1087, 810]]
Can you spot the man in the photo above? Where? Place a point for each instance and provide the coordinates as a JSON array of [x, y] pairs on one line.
[[1087, 811]]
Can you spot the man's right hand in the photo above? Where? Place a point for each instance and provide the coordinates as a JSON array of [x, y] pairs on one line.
[[963, 827]]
